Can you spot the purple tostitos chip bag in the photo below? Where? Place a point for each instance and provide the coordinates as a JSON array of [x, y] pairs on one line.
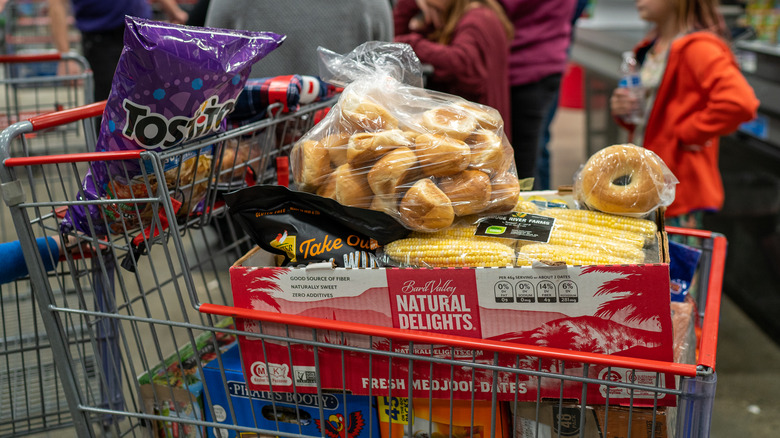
[[173, 84]]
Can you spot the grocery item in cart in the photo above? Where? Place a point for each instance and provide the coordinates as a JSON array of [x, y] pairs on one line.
[[554, 419], [683, 261], [175, 388], [172, 84], [684, 323], [618, 310], [457, 246], [530, 234], [423, 157], [343, 415], [304, 228], [288, 90], [442, 418], [625, 179], [559, 233]]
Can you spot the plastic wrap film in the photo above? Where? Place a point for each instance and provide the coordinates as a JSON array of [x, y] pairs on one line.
[[584, 237], [684, 322], [548, 233], [457, 246], [625, 179], [426, 158]]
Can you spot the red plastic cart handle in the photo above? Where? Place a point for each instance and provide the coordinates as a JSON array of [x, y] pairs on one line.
[[40, 57], [708, 346], [451, 340], [82, 157], [52, 120]]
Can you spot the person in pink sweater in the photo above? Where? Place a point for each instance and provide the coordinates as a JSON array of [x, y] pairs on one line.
[[467, 44], [537, 60]]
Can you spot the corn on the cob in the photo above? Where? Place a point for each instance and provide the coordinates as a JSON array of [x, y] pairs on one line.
[[449, 252], [526, 207], [599, 231], [630, 251], [466, 232], [603, 244], [623, 228], [644, 227], [569, 255]]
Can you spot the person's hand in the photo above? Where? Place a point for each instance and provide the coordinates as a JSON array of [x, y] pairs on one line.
[[69, 67], [173, 11], [417, 23], [623, 102], [409, 38], [75, 247], [430, 14], [178, 16]]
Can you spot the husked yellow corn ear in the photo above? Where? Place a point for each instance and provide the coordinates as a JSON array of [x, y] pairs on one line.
[[605, 245], [599, 231], [593, 225], [524, 206], [462, 232], [569, 255], [449, 252], [455, 232], [643, 227], [522, 259]]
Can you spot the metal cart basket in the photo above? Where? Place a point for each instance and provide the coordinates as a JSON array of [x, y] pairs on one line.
[[152, 305], [28, 90], [30, 392], [31, 86]]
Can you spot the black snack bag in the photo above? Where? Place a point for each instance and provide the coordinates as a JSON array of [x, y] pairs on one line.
[[305, 228]]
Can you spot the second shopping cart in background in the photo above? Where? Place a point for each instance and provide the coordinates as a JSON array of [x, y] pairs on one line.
[[31, 397]]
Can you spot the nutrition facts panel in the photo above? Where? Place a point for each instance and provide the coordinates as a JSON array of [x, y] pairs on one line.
[[536, 291]]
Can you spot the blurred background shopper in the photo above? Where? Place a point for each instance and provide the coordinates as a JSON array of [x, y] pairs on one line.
[[694, 93]]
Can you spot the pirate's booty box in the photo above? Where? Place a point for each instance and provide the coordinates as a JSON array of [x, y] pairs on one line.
[[343, 416]]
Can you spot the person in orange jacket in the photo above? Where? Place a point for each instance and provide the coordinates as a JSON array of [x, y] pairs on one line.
[[694, 93]]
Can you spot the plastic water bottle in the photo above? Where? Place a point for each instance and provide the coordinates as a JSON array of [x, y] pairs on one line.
[[629, 78]]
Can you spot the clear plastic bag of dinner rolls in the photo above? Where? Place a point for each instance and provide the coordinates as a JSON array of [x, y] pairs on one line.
[[625, 179], [423, 157]]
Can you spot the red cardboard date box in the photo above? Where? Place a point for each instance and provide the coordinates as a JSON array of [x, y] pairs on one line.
[[617, 310]]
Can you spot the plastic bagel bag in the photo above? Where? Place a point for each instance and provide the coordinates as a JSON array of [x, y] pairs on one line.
[[424, 157], [624, 179]]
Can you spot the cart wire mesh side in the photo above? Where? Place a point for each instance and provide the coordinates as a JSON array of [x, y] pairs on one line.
[[144, 273], [31, 397], [152, 306], [32, 85], [396, 357], [27, 93]]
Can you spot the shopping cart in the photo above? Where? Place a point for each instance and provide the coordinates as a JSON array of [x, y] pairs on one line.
[[161, 327], [31, 86], [30, 390], [24, 25], [198, 248]]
